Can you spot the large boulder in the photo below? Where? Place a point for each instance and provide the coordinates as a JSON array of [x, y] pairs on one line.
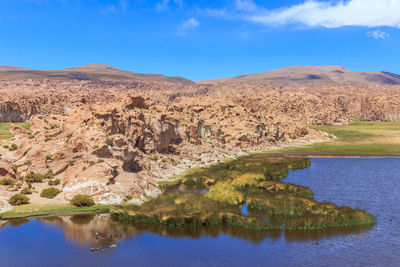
[[18, 130], [7, 170], [164, 134], [4, 205]]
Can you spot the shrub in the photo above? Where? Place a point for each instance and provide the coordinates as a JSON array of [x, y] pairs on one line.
[[6, 181], [109, 141], [82, 200], [13, 147], [49, 158], [50, 192], [26, 191], [38, 177], [153, 158], [18, 199], [55, 182]]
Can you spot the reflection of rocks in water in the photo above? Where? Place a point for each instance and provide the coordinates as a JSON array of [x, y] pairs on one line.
[[3, 224], [14, 223], [93, 230], [102, 231], [18, 222], [209, 231]]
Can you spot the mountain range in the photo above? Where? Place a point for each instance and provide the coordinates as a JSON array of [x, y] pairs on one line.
[[284, 76]]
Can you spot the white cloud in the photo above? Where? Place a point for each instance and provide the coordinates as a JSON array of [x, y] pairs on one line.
[[187, 25], [245, 5], [367, 13], [214, 12], [378, 34], [190, 23], [164, 4]]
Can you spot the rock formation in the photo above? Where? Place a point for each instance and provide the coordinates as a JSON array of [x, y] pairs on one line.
[[115, 140]]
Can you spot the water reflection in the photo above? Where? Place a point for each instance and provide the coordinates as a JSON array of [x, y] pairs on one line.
[[102, 231], [182, 188]]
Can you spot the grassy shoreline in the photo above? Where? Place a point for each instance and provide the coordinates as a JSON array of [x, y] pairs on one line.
[[357, 139], [35, 210]]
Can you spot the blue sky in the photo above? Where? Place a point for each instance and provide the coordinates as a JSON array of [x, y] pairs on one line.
[[200, 39]]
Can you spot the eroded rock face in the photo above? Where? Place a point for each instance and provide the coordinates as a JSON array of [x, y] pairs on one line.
[[4, 205], [7, 170], [17, 130], [115, 140]]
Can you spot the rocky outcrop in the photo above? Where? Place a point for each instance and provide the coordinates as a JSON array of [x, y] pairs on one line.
[[7, 170], [115, 140], [17, 130]]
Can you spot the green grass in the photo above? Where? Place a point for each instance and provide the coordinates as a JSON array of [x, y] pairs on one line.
[[355, 139], [5, 126], [254, 180], [30, 210]]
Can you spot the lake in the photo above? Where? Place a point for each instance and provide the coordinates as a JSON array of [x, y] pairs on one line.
[[371, 184]]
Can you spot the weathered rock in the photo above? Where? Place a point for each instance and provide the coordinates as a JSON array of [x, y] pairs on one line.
[[16, 130], [115, 139], [103, 152], [7, 170]]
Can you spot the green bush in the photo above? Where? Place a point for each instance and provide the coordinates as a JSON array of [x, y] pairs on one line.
[[50, 192], [109, 141], [49, 158], [13, 147], [6, 181], [55, 182], [26, 191], [33, 177], [18, 199], [82, 200]]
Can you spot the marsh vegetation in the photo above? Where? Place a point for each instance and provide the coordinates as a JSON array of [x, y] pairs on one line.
[[253, 181]]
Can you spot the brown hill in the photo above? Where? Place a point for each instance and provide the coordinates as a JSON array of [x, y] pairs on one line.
[[7, 68], [87, 72], [315, 75]]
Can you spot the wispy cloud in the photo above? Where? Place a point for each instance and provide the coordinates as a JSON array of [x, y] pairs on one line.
[[188, 25], [378, 34], [109, 9], [164, 4], [246, 5], [367, 13], [118, 7], [214, 12]]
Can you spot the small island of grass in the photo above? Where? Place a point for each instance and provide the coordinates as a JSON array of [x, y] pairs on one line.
[[252, 182]]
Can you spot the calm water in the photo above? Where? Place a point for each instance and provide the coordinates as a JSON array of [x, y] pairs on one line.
[[372, 184]]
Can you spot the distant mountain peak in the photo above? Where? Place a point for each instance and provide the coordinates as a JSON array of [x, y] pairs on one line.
[[86, 72], [10, 68], [97, 67], [315, 75]]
